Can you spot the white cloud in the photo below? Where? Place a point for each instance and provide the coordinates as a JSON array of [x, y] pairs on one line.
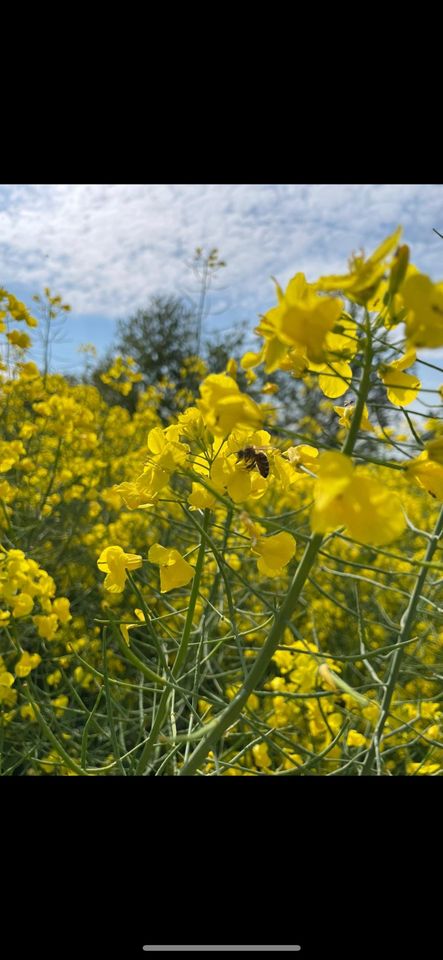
[[107, 247]]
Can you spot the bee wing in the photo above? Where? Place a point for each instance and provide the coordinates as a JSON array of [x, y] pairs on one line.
[[269, 448]]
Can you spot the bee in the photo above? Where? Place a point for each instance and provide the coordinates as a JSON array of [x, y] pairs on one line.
[[254, 457]]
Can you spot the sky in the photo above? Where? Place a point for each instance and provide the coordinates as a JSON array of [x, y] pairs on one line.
[[107, 248]]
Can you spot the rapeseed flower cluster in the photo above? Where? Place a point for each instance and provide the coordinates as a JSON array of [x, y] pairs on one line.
[[149, 570]]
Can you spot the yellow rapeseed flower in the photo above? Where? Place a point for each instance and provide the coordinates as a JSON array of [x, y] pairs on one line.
[[26, 663], [303, 455], [355, 739], [227, 473], [402, 387], [7, 695], [435, 449], [365, 275], [261, 756], [422, 769], [46, 626], [60, 703], [175, 571], [367, 509], [60, 607], [346, 413], [114, 562], [224, 407], [301, 319], [427, 473], [423, 301], [274, 553], [126, 627], [201, 498], [270, 388], [22, 605], [19, 339]]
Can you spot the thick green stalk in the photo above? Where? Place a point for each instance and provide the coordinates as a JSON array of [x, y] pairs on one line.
[[258, 671], [180, 658], [363, 390], [406, 624], [256, 674]]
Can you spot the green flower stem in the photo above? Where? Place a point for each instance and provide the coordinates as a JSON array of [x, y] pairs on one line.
[[363, 391], [85, 734], [406, 624], [148, 618], [108, 699], [180, 658], [58, 746], [184, 643], [52, 478], [258, 671], [261, 664], [221, 563], [130, 655]]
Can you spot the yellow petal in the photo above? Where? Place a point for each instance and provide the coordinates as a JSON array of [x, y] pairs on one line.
[[428, 475], [334, 473], [158, 554], [386, 246], [178, 574], [402, 387], [239, 485], [276, 551], [331, 382], [435, 450], [250, 360], [373, 512]]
